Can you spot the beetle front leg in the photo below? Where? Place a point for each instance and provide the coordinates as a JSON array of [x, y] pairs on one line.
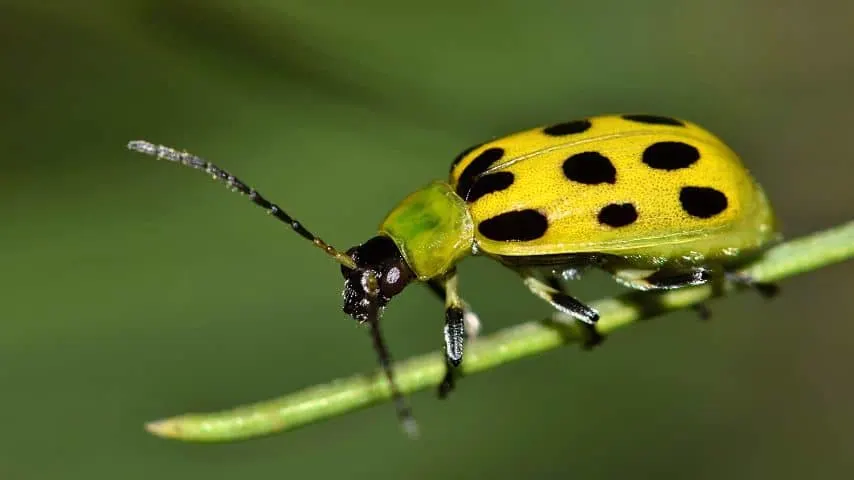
[[455, 328], [556, 295], [470, 318]]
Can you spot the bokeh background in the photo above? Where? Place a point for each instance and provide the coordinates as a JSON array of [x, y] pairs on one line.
[[134, 290]]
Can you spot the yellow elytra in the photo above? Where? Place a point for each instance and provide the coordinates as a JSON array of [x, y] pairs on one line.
[[642, 168], [658, 202]]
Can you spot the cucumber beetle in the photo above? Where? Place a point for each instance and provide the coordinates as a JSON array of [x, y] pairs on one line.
[[657, 202]]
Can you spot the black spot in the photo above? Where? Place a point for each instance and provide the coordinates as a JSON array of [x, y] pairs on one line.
[[477, 166], [463, 154], [654, 120], [618, 215], [670, 155], [702, 202], [516, 226], [486, 184], [568, 128], [590, 168]]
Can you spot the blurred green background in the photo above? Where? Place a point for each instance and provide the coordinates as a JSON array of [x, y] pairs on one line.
[[135, 290]]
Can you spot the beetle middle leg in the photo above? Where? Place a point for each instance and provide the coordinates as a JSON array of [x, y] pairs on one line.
[[553, 291]]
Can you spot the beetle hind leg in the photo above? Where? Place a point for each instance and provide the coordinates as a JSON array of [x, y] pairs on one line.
[[765, 289], [664, 279], [554, 292], [669, 279]]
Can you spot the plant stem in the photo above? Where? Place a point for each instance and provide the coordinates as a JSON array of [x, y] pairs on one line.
[[360, 391]]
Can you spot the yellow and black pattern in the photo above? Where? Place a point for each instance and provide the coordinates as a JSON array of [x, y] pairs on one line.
[[611, 184]]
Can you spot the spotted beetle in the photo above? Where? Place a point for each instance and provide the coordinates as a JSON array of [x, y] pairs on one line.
[[657, 202]]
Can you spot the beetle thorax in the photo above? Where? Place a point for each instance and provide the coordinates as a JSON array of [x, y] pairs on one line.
[[432, 228]]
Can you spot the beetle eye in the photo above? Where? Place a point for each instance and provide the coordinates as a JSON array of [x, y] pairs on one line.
[[392, 276], [394, 281]]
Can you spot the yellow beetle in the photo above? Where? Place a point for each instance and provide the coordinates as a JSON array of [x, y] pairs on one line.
[[658, 202]]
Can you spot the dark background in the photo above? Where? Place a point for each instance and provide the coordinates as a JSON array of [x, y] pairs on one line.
[[135, 290]]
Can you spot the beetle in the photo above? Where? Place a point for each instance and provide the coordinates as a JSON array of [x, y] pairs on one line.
[[657, 202]]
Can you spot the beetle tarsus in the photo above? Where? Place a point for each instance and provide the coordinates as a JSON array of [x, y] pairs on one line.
[[455, 335], [592, 337], [448, 381], [765, 289], [703, 311]]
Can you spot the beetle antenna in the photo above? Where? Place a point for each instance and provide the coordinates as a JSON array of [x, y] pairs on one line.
[[404, 413], [163, 152]]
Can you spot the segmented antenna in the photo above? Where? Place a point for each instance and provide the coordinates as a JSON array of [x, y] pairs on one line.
[[163, 152], [404, 413]]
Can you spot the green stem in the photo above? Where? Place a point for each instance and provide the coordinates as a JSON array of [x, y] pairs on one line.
[[514, 343]]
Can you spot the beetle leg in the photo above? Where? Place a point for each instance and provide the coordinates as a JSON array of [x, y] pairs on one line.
[[470, 318], [665, 279], [668, 279], [455, 328], [702, 311], [554, 292], [767, 290]]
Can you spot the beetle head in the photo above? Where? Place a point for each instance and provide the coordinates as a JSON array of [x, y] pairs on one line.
[[381, 273]]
